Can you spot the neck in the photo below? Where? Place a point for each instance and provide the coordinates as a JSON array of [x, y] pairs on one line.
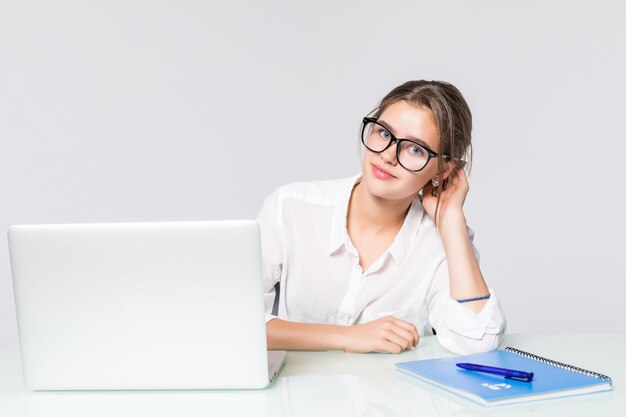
[[375, 213]]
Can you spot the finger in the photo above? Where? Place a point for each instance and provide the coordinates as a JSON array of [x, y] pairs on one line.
[[405, 334], [457, 175], [462, 174], [396, 338], [389, 347], [408, 326], [463, 181], [461, 178]]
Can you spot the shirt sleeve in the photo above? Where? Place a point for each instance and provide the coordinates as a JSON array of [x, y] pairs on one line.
[[458, 328], [271, 249]]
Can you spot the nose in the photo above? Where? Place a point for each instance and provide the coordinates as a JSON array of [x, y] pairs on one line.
[[389, 154]]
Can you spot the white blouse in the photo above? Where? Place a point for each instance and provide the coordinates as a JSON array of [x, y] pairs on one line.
[[307, 249]]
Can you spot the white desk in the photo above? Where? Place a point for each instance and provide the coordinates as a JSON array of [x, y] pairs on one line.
[[325, 384]]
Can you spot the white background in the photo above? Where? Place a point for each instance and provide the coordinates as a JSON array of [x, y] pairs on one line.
[[194, 110]]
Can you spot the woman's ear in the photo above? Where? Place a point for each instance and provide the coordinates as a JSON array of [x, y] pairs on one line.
[[450, 167]]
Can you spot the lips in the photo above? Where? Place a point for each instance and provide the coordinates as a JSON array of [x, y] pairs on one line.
[[381, 173]]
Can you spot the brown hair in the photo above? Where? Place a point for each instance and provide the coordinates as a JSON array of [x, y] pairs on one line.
[[452, 117]]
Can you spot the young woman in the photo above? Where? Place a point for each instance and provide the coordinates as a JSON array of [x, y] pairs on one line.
[[370, 263]]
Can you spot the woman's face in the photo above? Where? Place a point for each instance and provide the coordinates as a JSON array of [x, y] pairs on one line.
[[382, 175]]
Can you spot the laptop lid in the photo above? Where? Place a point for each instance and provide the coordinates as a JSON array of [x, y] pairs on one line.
[[164, 305]]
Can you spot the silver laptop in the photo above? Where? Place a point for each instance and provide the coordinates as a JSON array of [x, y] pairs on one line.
[[167, 305]]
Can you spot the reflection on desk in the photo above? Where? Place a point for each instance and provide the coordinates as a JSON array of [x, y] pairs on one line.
[[336, 384]]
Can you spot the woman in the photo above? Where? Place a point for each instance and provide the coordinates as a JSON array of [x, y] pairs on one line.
[[370, 263]]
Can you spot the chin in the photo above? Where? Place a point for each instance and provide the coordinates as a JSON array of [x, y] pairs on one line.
[[387, 189]]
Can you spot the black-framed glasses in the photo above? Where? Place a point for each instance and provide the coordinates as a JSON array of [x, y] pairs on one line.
[[411, 155]]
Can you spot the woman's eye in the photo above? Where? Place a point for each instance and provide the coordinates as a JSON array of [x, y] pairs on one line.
[[415, 150], [385, 134]]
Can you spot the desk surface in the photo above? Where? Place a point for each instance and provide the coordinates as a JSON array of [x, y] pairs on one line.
[[337, 384]]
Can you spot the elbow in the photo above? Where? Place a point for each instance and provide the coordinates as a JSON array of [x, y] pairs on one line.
[[465, 345]]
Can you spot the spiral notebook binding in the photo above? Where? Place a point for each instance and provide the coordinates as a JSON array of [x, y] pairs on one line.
[[558, 364]]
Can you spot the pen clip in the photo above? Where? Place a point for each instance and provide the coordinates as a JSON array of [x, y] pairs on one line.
[[516, 378]]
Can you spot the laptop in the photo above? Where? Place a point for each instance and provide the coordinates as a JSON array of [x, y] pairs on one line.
[[155, 305]]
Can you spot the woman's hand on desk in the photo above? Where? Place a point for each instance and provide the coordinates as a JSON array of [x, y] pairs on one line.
[[387, 334]]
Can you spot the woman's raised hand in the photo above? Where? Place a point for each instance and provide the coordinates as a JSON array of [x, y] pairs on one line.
[[452, 198]]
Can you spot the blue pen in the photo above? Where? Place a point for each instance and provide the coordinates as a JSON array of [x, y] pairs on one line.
[[507, 373]]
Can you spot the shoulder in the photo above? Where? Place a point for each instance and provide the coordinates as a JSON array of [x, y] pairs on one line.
[[324, 192]]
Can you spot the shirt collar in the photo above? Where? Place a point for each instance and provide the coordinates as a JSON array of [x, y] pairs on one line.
[[339, 225], [339, 229]]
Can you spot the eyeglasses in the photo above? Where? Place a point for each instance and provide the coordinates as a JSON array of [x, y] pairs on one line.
[[411, 155]]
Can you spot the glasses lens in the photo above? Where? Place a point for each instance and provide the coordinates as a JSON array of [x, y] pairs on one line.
[[375, 137], [412, 156]]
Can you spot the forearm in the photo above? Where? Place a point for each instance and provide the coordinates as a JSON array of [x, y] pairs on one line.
[[466, 279], [288, 335]]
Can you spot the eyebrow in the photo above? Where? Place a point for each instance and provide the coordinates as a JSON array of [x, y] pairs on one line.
[[418, 140]]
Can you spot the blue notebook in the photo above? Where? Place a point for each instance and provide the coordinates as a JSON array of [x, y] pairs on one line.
[[551, 380]]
